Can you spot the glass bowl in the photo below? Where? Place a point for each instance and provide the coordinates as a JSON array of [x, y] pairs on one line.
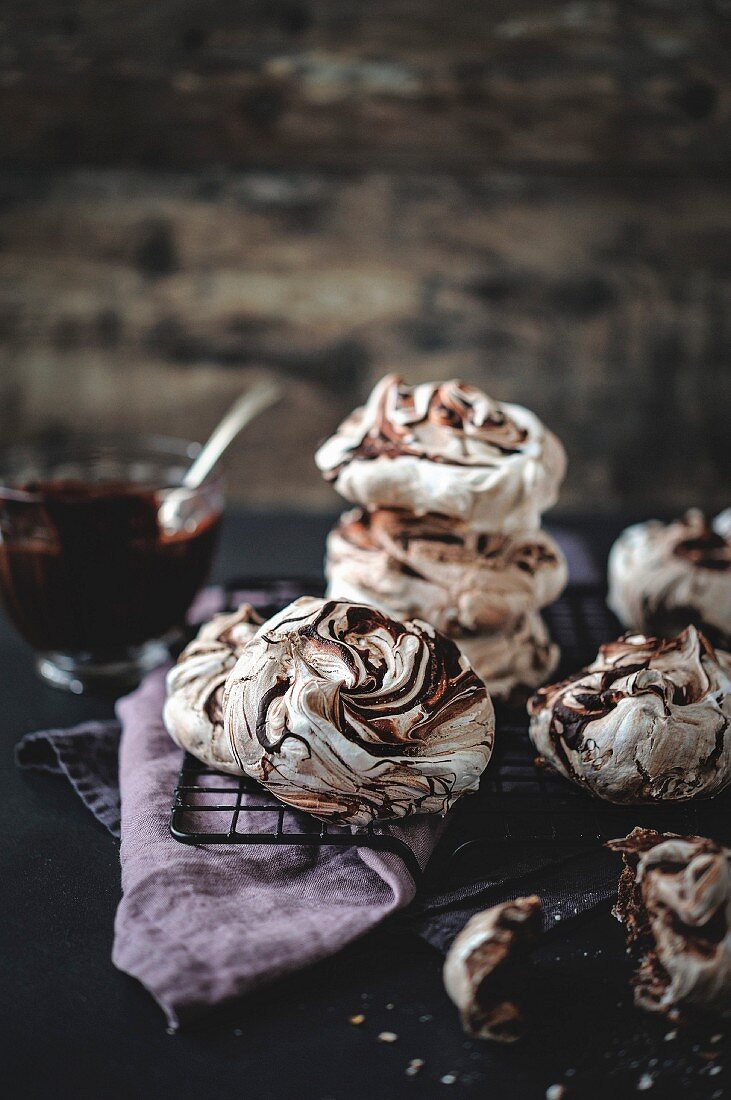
[[102, 552]]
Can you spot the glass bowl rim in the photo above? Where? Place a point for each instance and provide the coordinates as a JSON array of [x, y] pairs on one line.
[[137, 445]]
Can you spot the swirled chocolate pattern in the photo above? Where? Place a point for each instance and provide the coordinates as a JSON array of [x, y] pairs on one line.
[[446, 448], [436, 568], [193, 708], [354, 717], [513, 662], [648, 720], [663, 577], [675, 903]]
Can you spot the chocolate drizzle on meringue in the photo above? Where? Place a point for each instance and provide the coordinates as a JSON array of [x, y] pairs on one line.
[[441, 570], [446, 448], [647, 720], [674, 900], [193, 711], [363, 707], [352, 716], [454, 405]]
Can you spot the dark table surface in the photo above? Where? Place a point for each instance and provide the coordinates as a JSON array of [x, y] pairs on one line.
[[74, 1026]]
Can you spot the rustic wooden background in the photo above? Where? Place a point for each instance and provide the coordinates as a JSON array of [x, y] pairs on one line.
[[534, 196]]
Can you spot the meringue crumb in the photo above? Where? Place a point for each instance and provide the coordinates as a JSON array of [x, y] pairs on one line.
[[238, 1032], [387, 1037], [670, 1036], [425, 1018], [716, 1038], [645, 1082], [389, 1006], [556, 1092], [448, 1079], [714, 1070], [356, 1021], [414, 1066]]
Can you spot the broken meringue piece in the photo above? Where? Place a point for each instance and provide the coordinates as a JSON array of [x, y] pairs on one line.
[[666, 576], [354, 717], [484, 969], [675, 903], [647, 721], [193, 712], [448, 448]]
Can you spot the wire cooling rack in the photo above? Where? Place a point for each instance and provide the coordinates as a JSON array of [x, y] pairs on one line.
[[519, 802], [211, 808]]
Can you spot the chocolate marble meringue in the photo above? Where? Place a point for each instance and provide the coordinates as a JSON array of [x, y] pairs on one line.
[[354, 717], [663, 577], [647, 721], [483, 969], [675, 903], [193, 712], [441, 570], [446, 448], [515, 660]]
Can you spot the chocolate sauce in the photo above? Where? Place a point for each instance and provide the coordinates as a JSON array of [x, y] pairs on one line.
[[87, 568]]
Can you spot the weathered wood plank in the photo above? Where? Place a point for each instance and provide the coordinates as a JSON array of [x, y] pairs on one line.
[[131, 301], [468, 85]]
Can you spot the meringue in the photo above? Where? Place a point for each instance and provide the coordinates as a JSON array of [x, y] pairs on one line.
[[193, 706], [353, 717], [446, 448], [663, 577], [675, 902], [648, 720], [489, 950], [441, 570], [510, 660], [722, 523]]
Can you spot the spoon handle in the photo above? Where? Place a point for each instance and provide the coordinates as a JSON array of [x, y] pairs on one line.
[[248, 406]]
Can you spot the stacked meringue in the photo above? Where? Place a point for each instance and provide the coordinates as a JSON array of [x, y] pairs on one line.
[[450, 487]]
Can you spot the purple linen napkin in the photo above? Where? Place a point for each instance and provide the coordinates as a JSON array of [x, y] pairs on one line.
[[198, 926], [88, 756]]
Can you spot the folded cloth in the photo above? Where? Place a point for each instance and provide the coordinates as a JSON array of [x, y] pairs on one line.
[[86, 755], [199, 925]]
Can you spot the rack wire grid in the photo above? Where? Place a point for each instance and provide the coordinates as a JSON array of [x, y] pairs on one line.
[[519, 802]]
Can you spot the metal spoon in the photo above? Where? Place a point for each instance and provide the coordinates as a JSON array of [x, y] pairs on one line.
[[179, 504]]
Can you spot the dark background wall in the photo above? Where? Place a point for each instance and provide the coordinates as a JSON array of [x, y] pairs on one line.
[[534, 196]]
